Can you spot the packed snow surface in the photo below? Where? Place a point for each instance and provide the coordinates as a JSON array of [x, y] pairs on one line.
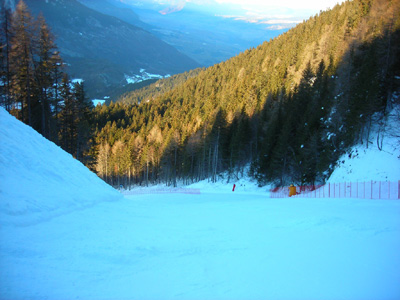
[[66, 235], [210, 246]]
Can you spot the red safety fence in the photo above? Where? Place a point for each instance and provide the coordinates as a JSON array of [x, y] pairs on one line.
[[363, 190], [143, 191]]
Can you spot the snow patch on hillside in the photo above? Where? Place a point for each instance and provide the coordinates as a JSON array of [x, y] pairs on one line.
[[98, 102], [366, 164], [38, 180], [143, 76], [77, 80]]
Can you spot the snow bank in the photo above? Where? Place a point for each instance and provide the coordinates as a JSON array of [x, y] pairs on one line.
[[38, 180], [373, 164]]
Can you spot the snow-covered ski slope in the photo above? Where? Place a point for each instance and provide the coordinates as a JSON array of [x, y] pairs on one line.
[[208, 246], [56, 244]]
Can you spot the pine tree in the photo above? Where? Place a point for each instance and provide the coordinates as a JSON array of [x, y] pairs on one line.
[[56, 74], [22, 62], [5, 49], [218, 137], [84, 121], [44, 71], [68, 118]]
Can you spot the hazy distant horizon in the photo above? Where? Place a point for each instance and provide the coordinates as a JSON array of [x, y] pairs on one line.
[[274, 14]]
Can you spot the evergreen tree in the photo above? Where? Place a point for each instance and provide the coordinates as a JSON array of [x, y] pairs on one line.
[[22, 62], [5, 49], [84, 122], [44, 71], [55, 101], [68, 118]]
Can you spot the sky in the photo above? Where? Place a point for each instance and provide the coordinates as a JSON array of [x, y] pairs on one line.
[[275, 14]]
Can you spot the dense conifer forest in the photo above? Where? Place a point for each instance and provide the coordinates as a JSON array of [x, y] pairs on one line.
[[288, 108]]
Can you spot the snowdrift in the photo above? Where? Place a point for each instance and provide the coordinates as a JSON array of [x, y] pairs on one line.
[[366, 164], [373, 164], [38, 180]]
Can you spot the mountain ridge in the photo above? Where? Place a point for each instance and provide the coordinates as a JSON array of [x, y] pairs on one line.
[[194, 31], [101, 49]]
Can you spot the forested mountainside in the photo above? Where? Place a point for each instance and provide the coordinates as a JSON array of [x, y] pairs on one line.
[[289, 107], [152, 91], [102, 49]]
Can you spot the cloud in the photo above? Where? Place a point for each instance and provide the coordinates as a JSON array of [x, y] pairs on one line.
[[252, 5], [280, 14], [277, 21], [278, 27], [174, 6], [291, 4], [288, 12]]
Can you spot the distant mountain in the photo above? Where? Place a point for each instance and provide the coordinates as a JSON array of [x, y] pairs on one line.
[[197, 31], [118, 10], [104, 50]]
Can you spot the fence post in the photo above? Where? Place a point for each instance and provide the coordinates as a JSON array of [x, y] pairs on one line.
[[365, 196], [398, 190], [351, 187], [334, 190], [371, 188], [357, 190], [329, 190], [380, 190]]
